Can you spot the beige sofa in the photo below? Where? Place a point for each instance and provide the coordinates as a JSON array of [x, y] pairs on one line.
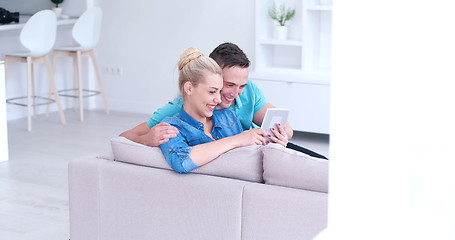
[[256, 192]]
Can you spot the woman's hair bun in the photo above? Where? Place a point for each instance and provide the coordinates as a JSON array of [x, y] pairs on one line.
[[188, 55]]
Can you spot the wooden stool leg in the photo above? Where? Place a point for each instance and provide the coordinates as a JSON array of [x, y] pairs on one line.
[[6, 68], [54, 88], [81, 96], [33, 90], [54, 63], [29, 93], [98, 77], [75, 85]]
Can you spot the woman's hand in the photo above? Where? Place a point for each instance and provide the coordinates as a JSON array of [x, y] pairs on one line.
[[251, 137], [280, 135]]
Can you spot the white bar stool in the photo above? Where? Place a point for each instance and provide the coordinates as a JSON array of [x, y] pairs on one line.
[[38, 37], [86, 33]]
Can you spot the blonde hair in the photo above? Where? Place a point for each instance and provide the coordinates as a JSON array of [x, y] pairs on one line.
[[193, 65]]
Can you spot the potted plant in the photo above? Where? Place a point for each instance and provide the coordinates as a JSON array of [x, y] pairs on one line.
[[281, 16], [57, 10]]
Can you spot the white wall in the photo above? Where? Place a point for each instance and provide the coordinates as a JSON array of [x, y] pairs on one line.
[[392, 121], [145, 39]]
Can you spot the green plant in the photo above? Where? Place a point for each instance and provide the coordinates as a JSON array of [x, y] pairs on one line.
[[57, 2], [282, 14]]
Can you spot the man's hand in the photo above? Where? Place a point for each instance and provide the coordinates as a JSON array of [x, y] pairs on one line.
[[281, 136], [152, 137], [159, 134]]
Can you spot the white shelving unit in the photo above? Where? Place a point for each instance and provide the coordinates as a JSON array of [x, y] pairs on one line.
[[301, 64]]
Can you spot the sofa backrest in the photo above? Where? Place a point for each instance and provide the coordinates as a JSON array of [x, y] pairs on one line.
[[271, 164], [289, 168], [241, 163]]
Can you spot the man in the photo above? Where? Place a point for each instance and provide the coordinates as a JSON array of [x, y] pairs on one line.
[[239, 94]]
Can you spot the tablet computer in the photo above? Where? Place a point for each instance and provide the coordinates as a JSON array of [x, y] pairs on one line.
[[272, 117]]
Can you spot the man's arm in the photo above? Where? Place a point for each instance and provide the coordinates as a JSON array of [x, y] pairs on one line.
[[168, 110], [153, 133], [152, 137], [259, 116]]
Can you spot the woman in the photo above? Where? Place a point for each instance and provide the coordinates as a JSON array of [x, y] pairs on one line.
[[204, 133]]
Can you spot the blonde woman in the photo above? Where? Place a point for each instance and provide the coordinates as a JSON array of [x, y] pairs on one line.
[[204, 133]]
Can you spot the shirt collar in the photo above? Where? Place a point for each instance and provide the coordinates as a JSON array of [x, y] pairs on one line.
[[238, 104], [190, 120], [238, 101]]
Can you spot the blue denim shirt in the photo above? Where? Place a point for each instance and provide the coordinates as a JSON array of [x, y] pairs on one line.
[[246, 105], [191, 133]]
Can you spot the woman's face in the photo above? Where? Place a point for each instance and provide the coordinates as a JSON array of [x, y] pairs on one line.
[[205, 96]]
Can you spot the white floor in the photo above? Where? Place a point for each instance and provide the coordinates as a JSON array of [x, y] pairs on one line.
[[33, 183]]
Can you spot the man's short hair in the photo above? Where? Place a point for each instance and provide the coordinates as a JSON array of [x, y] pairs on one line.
[[230, 55]]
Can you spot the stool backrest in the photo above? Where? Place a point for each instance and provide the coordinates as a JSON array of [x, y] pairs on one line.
[[87, 29], [38, 34]]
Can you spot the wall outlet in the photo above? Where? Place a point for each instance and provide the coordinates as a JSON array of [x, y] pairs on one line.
[[113, 70]]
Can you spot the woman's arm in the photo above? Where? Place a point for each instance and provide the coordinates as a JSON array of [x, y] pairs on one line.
[[205, 153], [184, 158], [176, 151]]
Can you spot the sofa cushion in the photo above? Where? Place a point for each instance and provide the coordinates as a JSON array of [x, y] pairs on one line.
[[273, 212], [105, 154], [130, 152], [289, 168], [243, 163]]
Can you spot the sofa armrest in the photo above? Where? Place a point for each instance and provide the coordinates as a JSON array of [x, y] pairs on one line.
[[83, 184]]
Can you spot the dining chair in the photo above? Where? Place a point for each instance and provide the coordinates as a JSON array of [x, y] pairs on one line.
[[86, 33], [38, 37]]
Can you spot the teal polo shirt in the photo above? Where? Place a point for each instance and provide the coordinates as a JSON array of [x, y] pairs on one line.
[[246, 105]]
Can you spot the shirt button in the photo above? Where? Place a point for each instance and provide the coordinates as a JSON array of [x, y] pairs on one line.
[[170, 149]]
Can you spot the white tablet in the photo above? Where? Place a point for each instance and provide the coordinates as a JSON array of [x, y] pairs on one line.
[[272, 117]]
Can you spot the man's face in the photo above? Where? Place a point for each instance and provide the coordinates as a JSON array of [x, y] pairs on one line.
[[234, 80]]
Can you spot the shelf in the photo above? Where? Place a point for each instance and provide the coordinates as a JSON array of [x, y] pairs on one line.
[[297, 43], [298, 69], [281, 56], [24, 18], [277, 74], [320, 7]]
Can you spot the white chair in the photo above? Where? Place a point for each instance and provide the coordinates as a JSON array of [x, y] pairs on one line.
[[86, 33], [38, 37]]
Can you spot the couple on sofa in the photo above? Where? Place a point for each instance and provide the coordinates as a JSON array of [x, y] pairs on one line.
[[190, 131]]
